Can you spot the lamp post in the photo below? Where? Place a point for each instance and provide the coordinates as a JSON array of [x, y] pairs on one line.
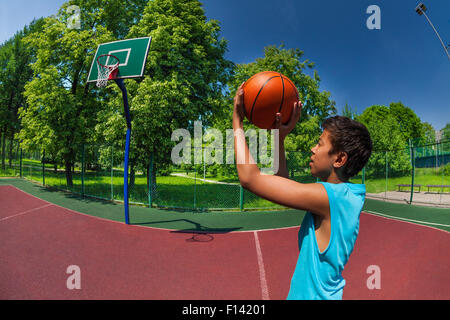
[[420, 9]]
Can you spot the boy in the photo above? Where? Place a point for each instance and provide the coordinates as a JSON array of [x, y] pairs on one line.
[[329, 229]]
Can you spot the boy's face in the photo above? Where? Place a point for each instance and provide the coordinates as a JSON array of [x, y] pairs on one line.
[[321, 162]]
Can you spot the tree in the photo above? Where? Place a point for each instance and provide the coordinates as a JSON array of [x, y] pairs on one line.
[[60, 109], [429, 133], [409, 123], [287, 62], [388, 142], [185, 74], [15, 72], [317, 104], [116, 16], [445, 132], [348, 112]]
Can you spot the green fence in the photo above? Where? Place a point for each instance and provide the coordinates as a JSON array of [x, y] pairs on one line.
[[418, 175]]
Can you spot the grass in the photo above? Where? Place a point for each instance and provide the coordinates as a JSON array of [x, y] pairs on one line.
[[185, 192]]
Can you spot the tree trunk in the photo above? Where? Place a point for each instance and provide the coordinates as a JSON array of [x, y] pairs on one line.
[[132, 175], [10, 151], [69, 180], [3, 146]]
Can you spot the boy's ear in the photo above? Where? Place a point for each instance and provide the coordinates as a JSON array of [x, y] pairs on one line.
[[341, 159]]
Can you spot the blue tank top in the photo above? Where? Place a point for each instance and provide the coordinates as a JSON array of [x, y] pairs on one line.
[[317, 274]]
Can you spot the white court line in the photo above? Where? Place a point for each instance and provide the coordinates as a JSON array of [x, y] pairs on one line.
[[411, 221], [262, 272], [25, 212]]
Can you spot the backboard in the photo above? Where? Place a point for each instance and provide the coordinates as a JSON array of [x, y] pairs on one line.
[[132, 55]]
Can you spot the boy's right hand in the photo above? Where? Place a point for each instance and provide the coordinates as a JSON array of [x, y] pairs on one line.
[[285, 129]]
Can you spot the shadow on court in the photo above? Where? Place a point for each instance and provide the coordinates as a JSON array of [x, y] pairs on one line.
[[199, 233]]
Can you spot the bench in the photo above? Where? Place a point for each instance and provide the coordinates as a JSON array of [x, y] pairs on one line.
[[441, 186], [408, 185]]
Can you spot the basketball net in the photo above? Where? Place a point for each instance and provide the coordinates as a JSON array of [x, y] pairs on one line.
[[106, 71]]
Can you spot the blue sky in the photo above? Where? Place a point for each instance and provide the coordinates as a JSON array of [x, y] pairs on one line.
[[403, 61]]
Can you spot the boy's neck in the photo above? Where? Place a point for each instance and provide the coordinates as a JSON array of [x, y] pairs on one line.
[[333, 178]]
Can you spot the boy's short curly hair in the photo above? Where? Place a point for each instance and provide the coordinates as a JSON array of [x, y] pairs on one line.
[[352, 137]]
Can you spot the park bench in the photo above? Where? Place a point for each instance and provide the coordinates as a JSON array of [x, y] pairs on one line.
[[408, 185], [441, 186]]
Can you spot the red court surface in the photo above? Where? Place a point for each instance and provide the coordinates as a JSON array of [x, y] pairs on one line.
[[39, 241]]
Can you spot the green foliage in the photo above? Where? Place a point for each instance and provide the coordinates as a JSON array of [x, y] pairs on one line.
[[445, 170], [44, 101], [349, 112], [429, 133], [61, 110], [317, 104], [185, 74], [117, 16], [408, 122], [287, 62], [386, 135], [59, 113], [15, 72], [446, 133]]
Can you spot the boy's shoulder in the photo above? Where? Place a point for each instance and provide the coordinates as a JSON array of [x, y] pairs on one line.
[[345, 197], [345, 193], [344, 187]]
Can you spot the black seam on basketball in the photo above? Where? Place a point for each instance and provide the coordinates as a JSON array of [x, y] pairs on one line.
[[258, 74], [245, 112], [293, 86], [282, 97], [254, 101]]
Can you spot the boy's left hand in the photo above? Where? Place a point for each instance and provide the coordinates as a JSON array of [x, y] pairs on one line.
[[238, 113]]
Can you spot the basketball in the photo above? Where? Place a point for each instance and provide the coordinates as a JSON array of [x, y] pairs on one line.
[[267, 93]]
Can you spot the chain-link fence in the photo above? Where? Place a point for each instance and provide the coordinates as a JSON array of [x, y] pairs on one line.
[[419, 174]]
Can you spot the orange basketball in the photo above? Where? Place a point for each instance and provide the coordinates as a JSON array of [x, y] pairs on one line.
[[267, 93]]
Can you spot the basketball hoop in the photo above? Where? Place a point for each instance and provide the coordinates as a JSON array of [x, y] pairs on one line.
[[108, 66]]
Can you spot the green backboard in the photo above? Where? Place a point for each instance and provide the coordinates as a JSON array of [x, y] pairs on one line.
[[132, 55]]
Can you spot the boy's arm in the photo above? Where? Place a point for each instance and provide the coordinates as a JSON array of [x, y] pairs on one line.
[[279, 145], [309, 197]]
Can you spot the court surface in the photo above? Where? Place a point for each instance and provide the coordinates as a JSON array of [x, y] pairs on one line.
[[40, 240]]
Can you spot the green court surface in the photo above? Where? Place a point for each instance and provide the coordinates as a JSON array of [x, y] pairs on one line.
[[219, 221]]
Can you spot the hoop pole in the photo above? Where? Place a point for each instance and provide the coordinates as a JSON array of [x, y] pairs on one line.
[[121, 85]]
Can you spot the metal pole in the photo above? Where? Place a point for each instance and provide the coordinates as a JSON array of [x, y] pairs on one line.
[[150, 181], [241, 200], [21, 155], [121, 85], [43, 167], [386, 160], [363, 175], [82, 170], [412, 173], [443, 45], [112, 172], [195, 187]]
